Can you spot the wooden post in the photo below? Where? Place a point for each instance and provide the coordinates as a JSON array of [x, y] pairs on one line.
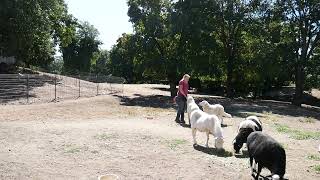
[[79, 87], [27, 88], [97, 86], [55, 88]]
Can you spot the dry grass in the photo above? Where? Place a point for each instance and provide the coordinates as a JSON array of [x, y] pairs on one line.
[[314, 157], [297, 134], [105, 136], [317, 168], [308, 120], [71, 148], [175, 143]]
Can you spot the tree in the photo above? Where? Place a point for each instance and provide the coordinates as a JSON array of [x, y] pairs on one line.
[[28, 28], [79, 55], [230, 21], [151, 20], [101, 64], [124, 56], [303, 19]]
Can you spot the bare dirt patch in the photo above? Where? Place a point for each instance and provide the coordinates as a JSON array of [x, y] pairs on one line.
[[134, 136]]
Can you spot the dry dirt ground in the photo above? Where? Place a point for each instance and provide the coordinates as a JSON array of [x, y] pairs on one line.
[[134, 136]]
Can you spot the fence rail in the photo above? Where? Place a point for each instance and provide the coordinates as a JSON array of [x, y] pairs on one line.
[[34, 88]]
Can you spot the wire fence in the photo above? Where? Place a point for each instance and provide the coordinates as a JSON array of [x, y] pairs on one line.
[[44, 87]]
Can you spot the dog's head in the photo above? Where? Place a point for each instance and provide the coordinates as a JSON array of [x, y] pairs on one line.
[[203, 103], [190, 99], [237, 146], [253, 117], [241, 138], [218, 143]]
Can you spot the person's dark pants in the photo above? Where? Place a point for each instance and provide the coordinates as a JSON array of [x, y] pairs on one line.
[[182, 103]]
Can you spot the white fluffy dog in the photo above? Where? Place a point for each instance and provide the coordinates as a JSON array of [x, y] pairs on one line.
[[191, 106], [216, 109], [203, 122]]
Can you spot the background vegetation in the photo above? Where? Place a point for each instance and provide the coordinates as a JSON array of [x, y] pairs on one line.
[[235, 47]]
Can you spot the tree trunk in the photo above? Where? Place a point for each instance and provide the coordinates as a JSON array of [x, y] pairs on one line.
[[229, 73], [173, 89], [298, 97], [172, 83], [229, 83]]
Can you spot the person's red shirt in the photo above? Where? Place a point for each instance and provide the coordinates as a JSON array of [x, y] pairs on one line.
[[185, 87]]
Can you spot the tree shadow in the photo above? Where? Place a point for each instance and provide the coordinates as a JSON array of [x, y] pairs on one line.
[[161, 89], [18, 87], [213, 151], [154, 101], [236, 107], [245, 107]]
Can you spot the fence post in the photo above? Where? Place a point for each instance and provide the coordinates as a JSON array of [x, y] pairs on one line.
[[97, 86], [79, 86], [27, 88], [55, 88]]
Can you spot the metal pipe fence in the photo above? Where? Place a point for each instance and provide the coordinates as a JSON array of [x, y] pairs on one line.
[[44, 87]]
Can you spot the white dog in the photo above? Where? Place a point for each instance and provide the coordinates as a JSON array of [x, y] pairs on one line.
[[203, 122], [191, 106], [216, 109]]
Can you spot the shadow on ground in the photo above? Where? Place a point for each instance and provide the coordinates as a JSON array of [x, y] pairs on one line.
[[185, 125], [245, 107], [213, 151], [244, 154], [236, 107], [155, 101], [18, 87]]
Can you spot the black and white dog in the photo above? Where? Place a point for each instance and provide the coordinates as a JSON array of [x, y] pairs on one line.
[[249, 125], [267, 153]]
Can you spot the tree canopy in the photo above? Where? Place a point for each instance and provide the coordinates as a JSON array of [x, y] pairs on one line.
[[242, 47]]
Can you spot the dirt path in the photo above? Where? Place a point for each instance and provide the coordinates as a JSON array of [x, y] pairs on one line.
[[134, 136]]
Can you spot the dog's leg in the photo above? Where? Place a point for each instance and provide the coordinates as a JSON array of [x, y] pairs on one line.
[[259, 171], [194, 133], [251, 161], [255, 166], [207, 138], [252, 165]]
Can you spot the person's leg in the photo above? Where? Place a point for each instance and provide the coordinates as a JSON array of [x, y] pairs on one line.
[[184, 103], [179, 103]]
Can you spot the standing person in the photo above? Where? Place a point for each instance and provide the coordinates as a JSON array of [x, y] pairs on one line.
[[181, 98]]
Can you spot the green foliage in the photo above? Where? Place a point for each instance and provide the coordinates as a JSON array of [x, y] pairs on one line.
[[174, 144], [123, 56], [104, 136], [313, 71], [314, 157], [100, 64], [30, 29], [317, 168], [80, 54], [56, 66], [240, 47], [232, 47]]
